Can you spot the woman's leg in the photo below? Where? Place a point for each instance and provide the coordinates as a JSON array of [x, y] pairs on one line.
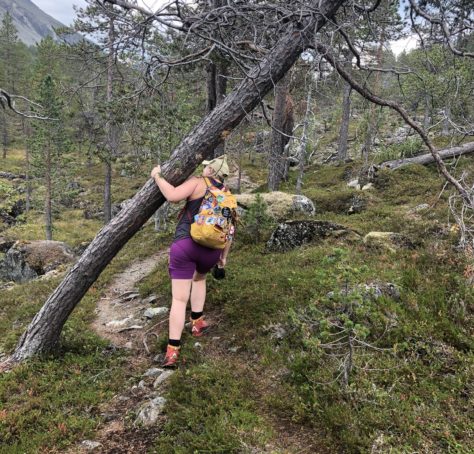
[[180, 289], [198, 292]]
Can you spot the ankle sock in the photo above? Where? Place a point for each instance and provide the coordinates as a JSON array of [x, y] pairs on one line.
[[196, 315], [174, 342]]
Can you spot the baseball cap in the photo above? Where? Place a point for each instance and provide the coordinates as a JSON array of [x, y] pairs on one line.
[[219, 165]]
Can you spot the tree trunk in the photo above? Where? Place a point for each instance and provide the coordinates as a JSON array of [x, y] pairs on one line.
[[47, 199], [43, 332], [107, 192], [304, 141], [344, 131], [276, 162], [221, 88], [4, 134], [428, 158], [446, 124], [109, 127], [427, 114], [211, 86]]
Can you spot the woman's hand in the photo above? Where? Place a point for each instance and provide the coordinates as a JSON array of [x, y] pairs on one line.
[[155, 171]]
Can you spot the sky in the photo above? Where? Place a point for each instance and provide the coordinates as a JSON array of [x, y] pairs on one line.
[[64, 12]]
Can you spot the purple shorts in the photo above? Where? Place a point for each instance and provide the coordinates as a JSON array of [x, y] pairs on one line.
[[186, 256]]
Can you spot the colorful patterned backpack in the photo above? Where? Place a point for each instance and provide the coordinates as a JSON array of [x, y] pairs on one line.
[[215, 222]]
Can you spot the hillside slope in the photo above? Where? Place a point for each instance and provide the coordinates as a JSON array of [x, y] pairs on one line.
[[32, 23]]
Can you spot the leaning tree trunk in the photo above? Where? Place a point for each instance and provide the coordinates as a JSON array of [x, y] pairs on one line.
[[43, 332], [428, 158]]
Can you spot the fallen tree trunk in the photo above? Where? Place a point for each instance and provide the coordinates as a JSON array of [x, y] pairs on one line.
[[43, 333], [428, 157]]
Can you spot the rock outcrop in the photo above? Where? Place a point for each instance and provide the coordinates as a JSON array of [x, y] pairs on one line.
[[26, 260], [280, 204], [292, 234], [389, 240]]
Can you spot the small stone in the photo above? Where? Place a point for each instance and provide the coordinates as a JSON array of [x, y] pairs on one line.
[[421, 207], [149, 299], [90, 445], [155, 311], [216, 338], [197, 345], [163, 377], [367, 186], [353, 183], [153, 372], [119, 323], [149, 412], [128, 345], [234, 349], [141, 384], [129, 328], [123, 398]]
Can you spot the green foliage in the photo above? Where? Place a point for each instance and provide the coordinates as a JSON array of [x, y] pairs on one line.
[[411, 147], [211, 405], [256, 221]]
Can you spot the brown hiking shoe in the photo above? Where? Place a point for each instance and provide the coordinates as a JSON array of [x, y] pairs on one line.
[[199, 326], [171, 357]]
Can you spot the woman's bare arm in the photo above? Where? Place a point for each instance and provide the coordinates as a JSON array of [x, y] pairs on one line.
[[171, 193]]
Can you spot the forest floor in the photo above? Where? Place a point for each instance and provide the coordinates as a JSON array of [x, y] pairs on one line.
[[259, 381]]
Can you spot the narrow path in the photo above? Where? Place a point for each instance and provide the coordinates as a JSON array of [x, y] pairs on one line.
[[120, 320], [119, 310]]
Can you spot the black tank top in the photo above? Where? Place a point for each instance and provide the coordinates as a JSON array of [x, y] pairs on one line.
[[183, 229]]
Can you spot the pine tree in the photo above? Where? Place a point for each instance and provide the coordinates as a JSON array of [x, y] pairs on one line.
[[8, 41], [48, 146]]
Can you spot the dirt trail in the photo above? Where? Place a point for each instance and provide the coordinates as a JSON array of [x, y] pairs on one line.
[[120, 320], [112, 307]]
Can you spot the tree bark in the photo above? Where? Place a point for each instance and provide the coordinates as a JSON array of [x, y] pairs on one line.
[[109, 126], [429, 158], [344, 130], [277, 161], [304, 141], [221, 89], [211, 86], [47, 199], [43, 332], [4, 134]]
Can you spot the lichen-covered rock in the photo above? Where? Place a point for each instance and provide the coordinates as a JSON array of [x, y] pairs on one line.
[[149, 412], [26, 260], [389, 240], [302, 204], [280, 204], [291, 234], [356, 204]]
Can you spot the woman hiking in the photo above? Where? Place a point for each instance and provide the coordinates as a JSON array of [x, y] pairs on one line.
[[189, 262]]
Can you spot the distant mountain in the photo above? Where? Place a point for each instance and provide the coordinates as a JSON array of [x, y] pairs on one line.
[[32, 23]]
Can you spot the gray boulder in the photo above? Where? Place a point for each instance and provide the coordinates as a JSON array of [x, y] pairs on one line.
[[149, 412], [26, 260], [291, 234], [302, 204]]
